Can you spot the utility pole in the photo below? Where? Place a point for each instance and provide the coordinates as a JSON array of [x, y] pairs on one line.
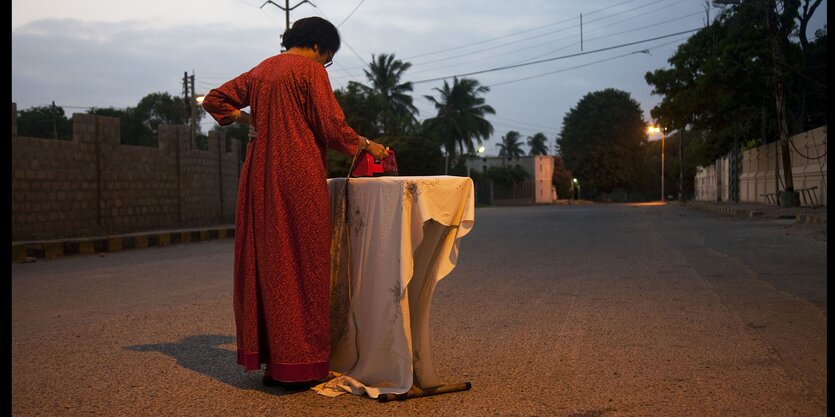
[[681, 165], [789, 197], [193, 117], [286, 9], [190, 99], [54, 112]]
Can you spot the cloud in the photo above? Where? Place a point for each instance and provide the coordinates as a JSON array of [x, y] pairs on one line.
[[104, 64]]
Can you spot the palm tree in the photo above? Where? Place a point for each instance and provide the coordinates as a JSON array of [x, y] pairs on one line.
[[511, 146], [538, 144], [460, 120], [384, 73]]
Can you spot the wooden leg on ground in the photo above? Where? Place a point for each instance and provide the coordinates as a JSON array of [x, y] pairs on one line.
[[416, 392]]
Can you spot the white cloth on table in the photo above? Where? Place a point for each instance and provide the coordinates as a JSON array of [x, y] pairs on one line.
[[404, 233]]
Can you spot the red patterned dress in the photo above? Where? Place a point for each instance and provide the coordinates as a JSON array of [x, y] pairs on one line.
[[282, 222]]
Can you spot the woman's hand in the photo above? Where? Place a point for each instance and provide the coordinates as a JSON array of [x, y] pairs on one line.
[[243, 118], [378, 151]]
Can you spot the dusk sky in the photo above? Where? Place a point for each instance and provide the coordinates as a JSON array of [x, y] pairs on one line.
[[96, 53]]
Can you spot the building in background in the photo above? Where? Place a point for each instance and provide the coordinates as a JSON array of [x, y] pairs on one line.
[[539, 189]]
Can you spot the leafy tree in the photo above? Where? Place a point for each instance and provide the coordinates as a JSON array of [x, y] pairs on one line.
[[360, 109], [538, 144], [718, 84], [562, 178], [156, 108], [235, 132], [108, 111], [46, 122], [140, 124], [505, 176], [396, 112], [460, 120], [416, 155], [603, 140], [510, 145], [721, 81], [132, 130]]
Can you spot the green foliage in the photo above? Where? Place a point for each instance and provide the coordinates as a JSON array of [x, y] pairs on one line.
[[132, 130], [156, 108], [503, 176], [511, 145], [394, 113], [338, 164], [416, 155], [562, 178], [140, 124], [202, 141], [235, 132], [360, 108], [721, 81], [46, 122], [460, 122], [538, 144], [603, 142]]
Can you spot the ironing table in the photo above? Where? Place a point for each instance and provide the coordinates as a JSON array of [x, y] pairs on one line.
[[394, 239]]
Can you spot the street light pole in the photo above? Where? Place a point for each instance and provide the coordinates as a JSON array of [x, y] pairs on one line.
[[663, 195], [651, 129]]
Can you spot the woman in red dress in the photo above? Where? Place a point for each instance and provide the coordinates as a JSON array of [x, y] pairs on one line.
[[282, 221]]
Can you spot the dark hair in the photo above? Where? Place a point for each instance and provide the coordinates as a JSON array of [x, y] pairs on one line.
[[312, 31]]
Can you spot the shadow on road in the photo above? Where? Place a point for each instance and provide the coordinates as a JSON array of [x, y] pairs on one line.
[[203, 354]]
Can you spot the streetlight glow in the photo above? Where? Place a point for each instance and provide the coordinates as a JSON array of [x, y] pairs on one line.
[[656, 129]]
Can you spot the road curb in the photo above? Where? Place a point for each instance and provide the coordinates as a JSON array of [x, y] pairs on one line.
[[809, 219], [51, 249], [799, 218]]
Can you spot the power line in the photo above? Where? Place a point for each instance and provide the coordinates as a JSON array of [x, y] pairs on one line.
[[571, 19], [411, 58], [558, 49], [583, 65], [517, 122], [350, 14], [524, 64], [345, 41]]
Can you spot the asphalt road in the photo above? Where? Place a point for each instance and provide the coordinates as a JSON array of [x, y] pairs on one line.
[[580, 311]]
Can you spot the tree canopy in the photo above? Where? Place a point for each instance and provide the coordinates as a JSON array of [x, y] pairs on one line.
[[602, 141], [721, 80], [538, 144], [511, 146], [46, 122], [460, 123], [395, 113]]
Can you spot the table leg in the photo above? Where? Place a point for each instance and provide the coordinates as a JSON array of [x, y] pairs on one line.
[[416, 392]]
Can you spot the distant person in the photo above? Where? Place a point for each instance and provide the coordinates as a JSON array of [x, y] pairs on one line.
[[283, 219]]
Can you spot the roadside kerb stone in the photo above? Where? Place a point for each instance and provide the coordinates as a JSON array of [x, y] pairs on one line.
[[52, 249]]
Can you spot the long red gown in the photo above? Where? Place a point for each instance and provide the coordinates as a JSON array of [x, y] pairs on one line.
[[282, 221]]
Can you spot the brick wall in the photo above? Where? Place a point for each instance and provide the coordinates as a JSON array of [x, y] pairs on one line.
[[94, 185]]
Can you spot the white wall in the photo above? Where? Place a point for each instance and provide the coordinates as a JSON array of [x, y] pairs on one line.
[[761, 165]]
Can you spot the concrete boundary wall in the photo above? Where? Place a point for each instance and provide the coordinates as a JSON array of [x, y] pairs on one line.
[[93, 185], [761, 167]]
